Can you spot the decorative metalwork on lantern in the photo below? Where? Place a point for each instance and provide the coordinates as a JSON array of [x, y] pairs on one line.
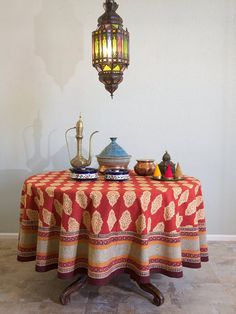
[[110, 47]]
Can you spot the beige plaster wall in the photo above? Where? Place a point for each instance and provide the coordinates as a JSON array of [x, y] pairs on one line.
[[178, 94]]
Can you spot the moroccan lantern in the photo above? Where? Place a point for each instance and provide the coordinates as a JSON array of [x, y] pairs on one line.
[[110, 45]]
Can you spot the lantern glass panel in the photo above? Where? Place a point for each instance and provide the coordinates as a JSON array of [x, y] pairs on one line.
[[100, 46], [116, 68], [114, 46], [125, 47], [104, 45], [96, 47], [119, 42], [109, 45], [106, 68]]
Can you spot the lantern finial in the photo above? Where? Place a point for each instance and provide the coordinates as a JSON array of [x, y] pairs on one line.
[[110, 5]]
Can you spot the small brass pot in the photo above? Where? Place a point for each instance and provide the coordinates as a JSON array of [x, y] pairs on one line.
[[145, 167]]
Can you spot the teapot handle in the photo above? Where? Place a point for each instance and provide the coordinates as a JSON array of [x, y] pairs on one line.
[[67, 144]]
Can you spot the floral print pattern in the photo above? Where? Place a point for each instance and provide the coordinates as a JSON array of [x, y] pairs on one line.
[[129, 198], [96, 197], [156, 204], [113, 197], [125, 220], [169, 211], [111, 220], [96, 222], [145, 200], [81, 199]]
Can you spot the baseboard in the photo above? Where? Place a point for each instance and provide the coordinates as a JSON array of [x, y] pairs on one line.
[[8, 235], [210, 237], [221, 237]]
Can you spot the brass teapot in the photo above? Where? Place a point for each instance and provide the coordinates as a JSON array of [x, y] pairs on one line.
[[79, 161]]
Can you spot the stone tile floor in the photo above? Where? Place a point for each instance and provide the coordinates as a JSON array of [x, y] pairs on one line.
[[211, 289]]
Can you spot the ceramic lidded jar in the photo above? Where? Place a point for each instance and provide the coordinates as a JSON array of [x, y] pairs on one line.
[[113, 157], [145, 167]]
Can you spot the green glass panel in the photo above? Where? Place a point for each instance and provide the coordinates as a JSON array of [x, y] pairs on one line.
[[115, 25], [125, 47], [119, 45]]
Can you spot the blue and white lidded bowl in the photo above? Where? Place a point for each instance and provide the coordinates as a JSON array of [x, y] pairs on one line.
[[117, 175], [84, 174]]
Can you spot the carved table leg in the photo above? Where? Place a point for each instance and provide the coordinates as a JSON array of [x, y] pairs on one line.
[[75, 286], [150, 288]]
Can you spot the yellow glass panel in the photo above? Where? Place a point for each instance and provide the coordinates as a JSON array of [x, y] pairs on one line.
[[93, 53], [114, 45], [116, 68], [100, 46], [106, 68], [96, 47], [104, 46]]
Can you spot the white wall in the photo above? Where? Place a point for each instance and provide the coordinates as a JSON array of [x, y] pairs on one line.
[[178, 94]]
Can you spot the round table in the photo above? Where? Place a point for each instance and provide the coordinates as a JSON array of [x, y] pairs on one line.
[[100, 228]]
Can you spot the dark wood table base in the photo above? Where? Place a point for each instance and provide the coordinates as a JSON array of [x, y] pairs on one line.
[[150, 288], [75, 286], [82, 280]]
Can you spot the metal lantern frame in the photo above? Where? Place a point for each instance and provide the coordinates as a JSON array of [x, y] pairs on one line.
[[110, 47]]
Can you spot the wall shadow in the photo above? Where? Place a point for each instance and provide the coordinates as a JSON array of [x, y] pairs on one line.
[[32, 138], [58, 39], [37, 161]]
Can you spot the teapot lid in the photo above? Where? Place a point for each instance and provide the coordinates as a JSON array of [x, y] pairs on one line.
[[113, 150]]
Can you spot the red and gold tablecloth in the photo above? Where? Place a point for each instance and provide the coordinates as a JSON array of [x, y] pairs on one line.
[[103, 228]]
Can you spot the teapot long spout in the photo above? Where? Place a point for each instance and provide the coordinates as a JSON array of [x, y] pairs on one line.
[[90, 147]]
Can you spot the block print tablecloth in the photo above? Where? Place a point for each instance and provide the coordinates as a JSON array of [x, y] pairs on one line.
[[103, 228]]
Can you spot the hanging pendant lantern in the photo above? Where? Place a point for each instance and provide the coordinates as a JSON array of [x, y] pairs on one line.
[[110, 45]]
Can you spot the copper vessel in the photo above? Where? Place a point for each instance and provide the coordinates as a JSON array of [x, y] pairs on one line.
[[145, 167]]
